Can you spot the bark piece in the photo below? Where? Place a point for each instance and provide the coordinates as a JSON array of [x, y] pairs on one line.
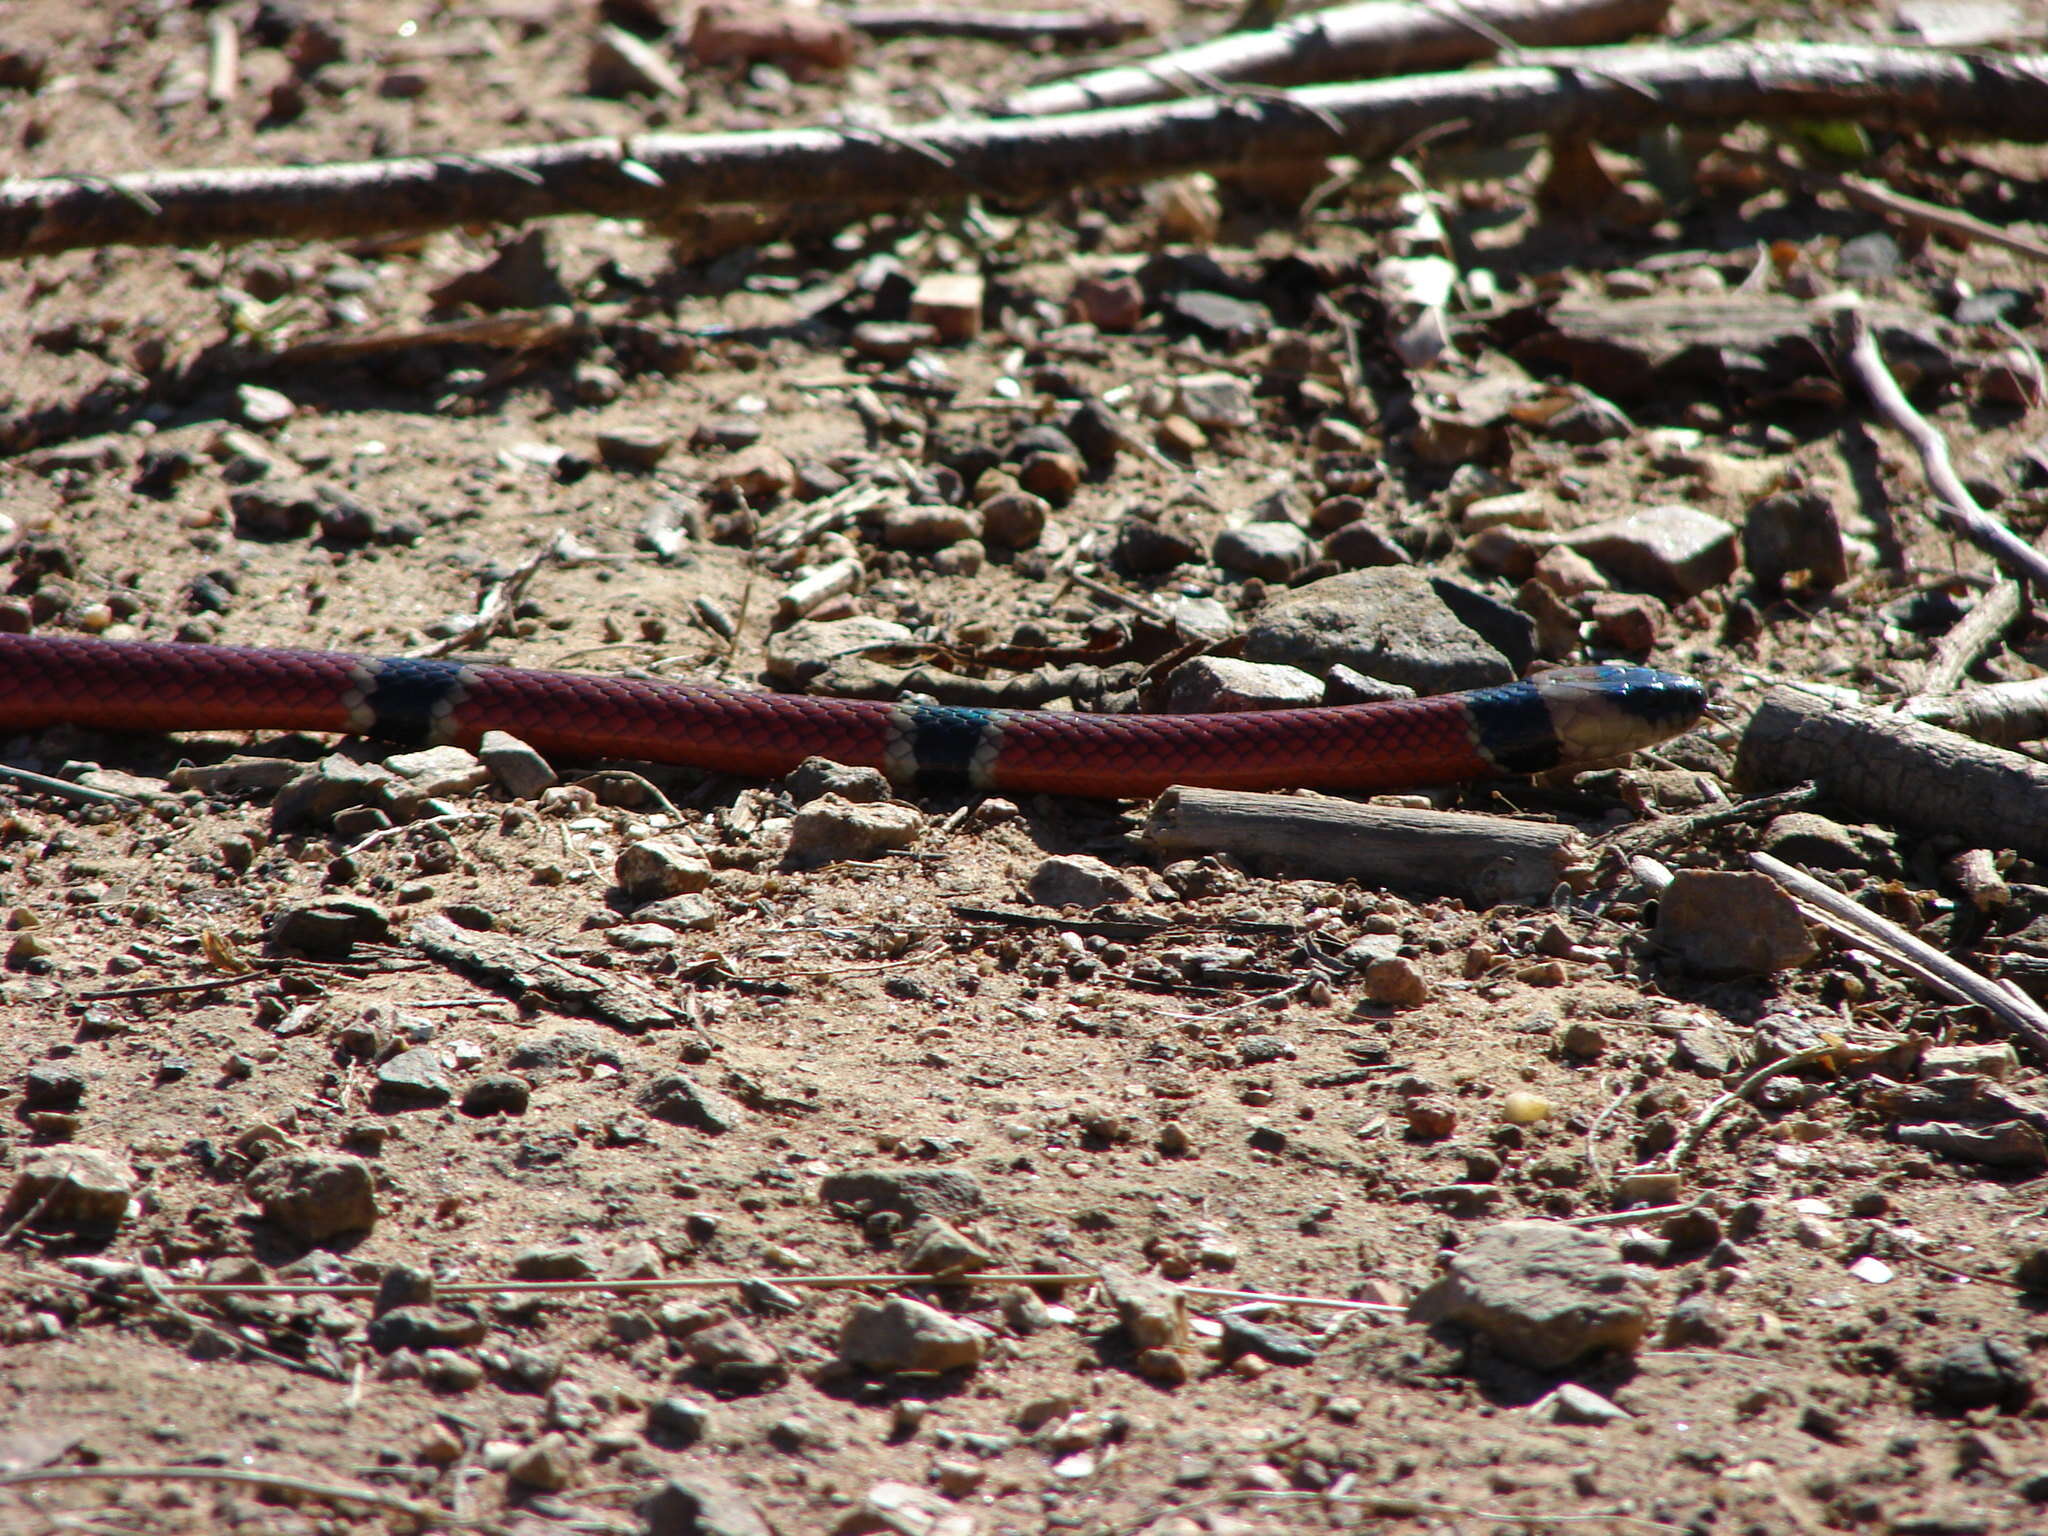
[[1483, 859]]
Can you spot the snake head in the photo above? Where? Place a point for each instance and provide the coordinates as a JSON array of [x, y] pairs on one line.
[[1614, 709]]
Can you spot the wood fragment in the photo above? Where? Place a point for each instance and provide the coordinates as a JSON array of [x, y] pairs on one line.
[[2003, 714], [1616, 92], [2020, 1014], [1955, 508], [1968, 641], [1896, 770], [621, 1000], [1065, 29], [1348, 42], [1484, 859]]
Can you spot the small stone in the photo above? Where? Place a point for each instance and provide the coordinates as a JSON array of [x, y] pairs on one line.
[[554, 1263], [520, 771], [1394, 623], [314, 1195], [498, 1093], [925, 527], [908, 1193], [950, 303], [1272, 552], [699, 1504], [70, 1186], [1215, 401], [54, 1087], [733, 1353], [903, 1335], [893, 341], [1396, 983], [1981, 1373], [1150, 547], [1111, 304], [760, 476], [1545, 1294], [1794, 532], [1727, 923], [1053, 476], [1521, 1107], [1244, 1337], [1800, 837], [1078, 880], [830, 829], [1568, 573], [736, 31], [331, 927], [437, 771], [421, 1328], [1671, 550], [1153, 1313], [816, 777], [1520, 509], [1168, 1367], [548, 1464], [1361, 544], [658, 867], [1014, 519], [1651, 1188], [1574, 1404], [679, 1099], [633, 448], [681, 1420], [261, 407], [278, 509], [1627, 622], [683, 914], [1225, 685], [415, 1076], [1697, 1320], [935, 1247]]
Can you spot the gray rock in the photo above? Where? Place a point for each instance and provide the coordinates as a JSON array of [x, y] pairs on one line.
[[577, 1046], [436, 771], [1790, 531], [275, 509], [698, 1504], [497, 1093], [1674, 551], [663, 866], [1727, 923], [816, 777], [683, 1420], [48, 1085], [903, 1335], [685, 914], [1270, 551], [1077, 880], [548, 1464], [1361, 544], [830, 829], [1980, 1373], [891, 1508], [70, 1186], [548, 1262], [1014, 519], [1152, 1312], [935, 1247], [1800, 837], [415, 1076], [809, 647], [909, 1192], [334, 784], [314, 1195], [733, 1353], [1389, 623], [1225, 685], [1148, 546], [424, 1328], [1574, 1404], [1544, 1294], [520, 771], [330, 927], [641, 448], [1241, 1336], [680, 1099], [642, 938], [402, 1285], [928, 527]]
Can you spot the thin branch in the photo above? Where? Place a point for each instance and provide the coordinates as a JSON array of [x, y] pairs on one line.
[[64, 789], [1955, 508], [1599, 92]]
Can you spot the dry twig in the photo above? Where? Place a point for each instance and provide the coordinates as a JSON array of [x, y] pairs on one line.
[[429, 1515], [1598, 92]]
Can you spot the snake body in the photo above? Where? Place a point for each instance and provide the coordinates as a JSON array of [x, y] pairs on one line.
[[1556, 719]]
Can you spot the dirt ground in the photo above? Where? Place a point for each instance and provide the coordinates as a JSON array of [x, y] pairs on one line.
[[1195, 1083]]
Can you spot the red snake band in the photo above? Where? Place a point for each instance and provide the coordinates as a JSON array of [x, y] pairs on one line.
[[1556, 719]]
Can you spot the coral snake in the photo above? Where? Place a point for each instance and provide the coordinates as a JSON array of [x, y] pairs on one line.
[[1555, 719]]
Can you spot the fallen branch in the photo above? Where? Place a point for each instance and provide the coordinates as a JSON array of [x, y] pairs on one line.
[[429, 1515], [2003, 714], [1483, 859], [2020, 1014], [1350, 42], [1067, 29], [1600, 93], [1896, 770], [1955, 508]]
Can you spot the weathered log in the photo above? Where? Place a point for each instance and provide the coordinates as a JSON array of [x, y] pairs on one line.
[[1484, 859], [1897, 771]]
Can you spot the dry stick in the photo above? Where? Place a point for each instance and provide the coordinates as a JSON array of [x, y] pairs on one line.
[[1617, 92], [1352, 42], [2004, 714], [64, 789], [1971, 637], [1068, 28], [1955, 508], [334, 1493], [1641, 837], [497, 604], [1703, 1122], [2019, 1013]]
